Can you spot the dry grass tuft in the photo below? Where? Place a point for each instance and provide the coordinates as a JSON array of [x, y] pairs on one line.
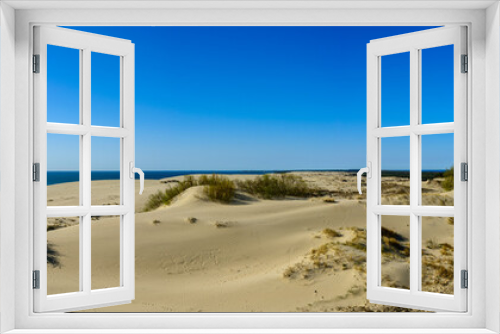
[[190, 220], [278, 186], [222, 224], [53, 256], [329, 200], [331, 233]]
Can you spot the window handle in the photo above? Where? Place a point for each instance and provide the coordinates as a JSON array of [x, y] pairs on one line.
[[368, 171], [139, 171]]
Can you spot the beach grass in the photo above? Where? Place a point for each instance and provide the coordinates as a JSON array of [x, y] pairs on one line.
[[217, 188], [277, 186], [165, 197], [448, 182]]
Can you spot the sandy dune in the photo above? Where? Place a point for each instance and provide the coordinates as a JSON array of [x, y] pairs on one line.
[[251, 255]]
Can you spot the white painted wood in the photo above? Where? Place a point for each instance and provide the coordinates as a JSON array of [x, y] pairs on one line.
[[77, 129], [413, 43], [86, 298], [7, 167], [248, 4], [492, 209], [418, 129]]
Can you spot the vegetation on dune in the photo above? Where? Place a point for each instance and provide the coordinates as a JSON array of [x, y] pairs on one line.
[[277, 186], [217, 188], [221, 189], [53, 256], [449, 181], [394, 243], [331, 233], [165, 197]]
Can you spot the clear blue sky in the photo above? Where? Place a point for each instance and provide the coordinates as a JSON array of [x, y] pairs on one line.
[[223, 98]]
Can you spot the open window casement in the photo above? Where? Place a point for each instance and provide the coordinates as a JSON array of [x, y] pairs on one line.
[[414, 296], [83, 295]]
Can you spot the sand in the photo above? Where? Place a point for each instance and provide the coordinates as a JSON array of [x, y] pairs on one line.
[[251, 255]]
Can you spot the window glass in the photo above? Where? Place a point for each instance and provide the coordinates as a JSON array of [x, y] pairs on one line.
[[395, 89], [63, 85], [105, 252], [105, 90], [63, 255], [395, 181], [63, 170], [437, 84]]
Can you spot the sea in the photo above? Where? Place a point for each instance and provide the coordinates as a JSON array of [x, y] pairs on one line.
[[55, 177]]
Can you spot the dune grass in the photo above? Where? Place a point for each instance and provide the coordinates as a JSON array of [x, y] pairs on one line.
[[216, 187], [165, 197], [277, 186], [53, 256], [448, 182], [221, 189], [331, 233]]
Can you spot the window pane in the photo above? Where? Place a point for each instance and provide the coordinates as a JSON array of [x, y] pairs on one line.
[[106, 171], [395, 246], [105, 90], [437, 85], [63, 255], [63, 85], [437, 169], [63, 170], [395, 90], [105, 252], [395, 181], [437, 254]]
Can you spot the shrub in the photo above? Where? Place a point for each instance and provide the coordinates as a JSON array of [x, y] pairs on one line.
[[219, 188], [277, 186], [449, 181]]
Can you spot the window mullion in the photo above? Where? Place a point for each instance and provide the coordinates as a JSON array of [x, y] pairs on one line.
[[85, 168], [414, 171]]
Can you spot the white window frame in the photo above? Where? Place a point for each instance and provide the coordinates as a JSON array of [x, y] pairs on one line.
[[86, 44], [414, 44], [16, 215]]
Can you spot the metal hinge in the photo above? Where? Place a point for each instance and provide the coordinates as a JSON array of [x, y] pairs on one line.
[[465, 279], [36, 172], [465, 64], [36, 279], [36, 63], [464, 171]]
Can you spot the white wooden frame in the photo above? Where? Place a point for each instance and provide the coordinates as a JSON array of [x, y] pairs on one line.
[[86, 43], [483, 102], [414, 43]]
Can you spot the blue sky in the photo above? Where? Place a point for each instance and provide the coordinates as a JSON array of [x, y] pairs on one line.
[[232, 98]]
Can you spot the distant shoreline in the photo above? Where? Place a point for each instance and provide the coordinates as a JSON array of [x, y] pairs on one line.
[[58, 177]]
